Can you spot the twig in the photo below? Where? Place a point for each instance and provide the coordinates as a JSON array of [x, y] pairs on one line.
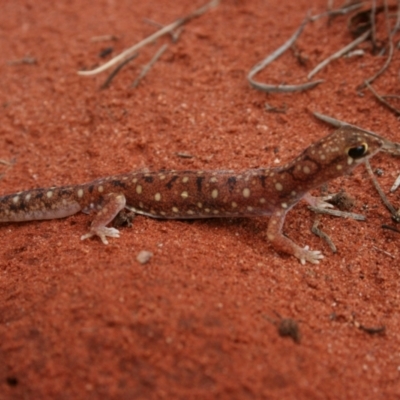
[[391, 96], [272, 57], [372, 22], [167, 29], [383, 251], [381, 99], [174, 35], [391, 228], [339, 11], [24, 60], [280, 110], [116, 70], [148, 66], [396, 184], [103, 38], [184, 155], [396, 27], [323, 235], [379, 190], [390, 55], [337, 213], [373, 330], [339, 53]]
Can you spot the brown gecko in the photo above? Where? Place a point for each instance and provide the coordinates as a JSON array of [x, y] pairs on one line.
[[204, 194]]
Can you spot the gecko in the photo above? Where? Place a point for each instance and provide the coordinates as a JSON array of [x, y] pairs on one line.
[[204, 194]]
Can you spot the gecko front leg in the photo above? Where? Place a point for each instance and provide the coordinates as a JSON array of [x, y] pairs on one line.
[[113, 204], [283, 244]]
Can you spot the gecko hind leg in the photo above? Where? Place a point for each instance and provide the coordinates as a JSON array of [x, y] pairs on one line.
[[285, 245], [113, 204]]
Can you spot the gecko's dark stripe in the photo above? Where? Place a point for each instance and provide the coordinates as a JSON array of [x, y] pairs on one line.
[[90, 188], [171, 182], [199, 183], [231, 183], [118, 183], [14, 207], [64, 192], [148, 179], [262, 179]]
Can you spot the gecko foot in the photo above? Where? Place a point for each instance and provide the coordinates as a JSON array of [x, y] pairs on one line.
[[102, 233], [319, 202], [312, 256]]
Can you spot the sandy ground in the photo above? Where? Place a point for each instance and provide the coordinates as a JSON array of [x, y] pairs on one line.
[[80, 320]]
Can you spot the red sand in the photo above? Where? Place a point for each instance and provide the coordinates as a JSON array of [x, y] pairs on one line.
[[80, 320]]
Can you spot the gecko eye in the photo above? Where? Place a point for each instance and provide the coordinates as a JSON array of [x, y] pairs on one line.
[[358, 151]]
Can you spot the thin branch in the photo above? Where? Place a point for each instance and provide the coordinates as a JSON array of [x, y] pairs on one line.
[[396, 27], [167, 29], [339, 53], [148, 66], [103, 38], [389, 57], [372, 22], [383, 251], [338, 11], [24, 60], [174, 35], [396, 184], [116, 70], [379, 190], [272, 57], [391, 228], [337, 213], [381, 99], [316, 231]]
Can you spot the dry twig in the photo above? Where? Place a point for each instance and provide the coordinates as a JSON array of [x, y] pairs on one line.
[[316, 231], [24, 60], [396, 184], [272, 57], [339, 11], [390, 55], [395, 214], [148, 66], [372, 22], [116, 70], [337, 213], [339, 53], [391, 228], [167, 29], [381, 99]]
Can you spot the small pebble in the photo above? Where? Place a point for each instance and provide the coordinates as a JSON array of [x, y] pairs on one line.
[[144, 256]]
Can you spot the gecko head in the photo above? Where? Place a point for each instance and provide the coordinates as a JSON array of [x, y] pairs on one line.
[[335, 155], [344, 148]]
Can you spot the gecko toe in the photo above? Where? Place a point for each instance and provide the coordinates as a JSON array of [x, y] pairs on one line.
[[86, 236], [312, 256], [102, 232]]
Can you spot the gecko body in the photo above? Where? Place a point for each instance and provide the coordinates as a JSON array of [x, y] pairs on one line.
[[204, 194]]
